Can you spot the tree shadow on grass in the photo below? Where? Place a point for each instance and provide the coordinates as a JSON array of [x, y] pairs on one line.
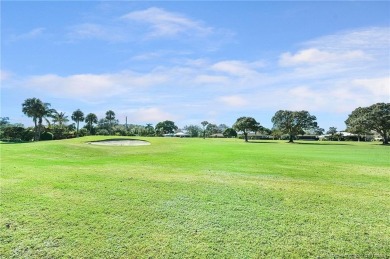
[[262, 142], [299, 143], [323, 144], [12, 143], [382, 145], [117, 139]]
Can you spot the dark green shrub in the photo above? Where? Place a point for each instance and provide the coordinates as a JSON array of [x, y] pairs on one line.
[[103, 132], [13, 133], [59, 133], [230, 133], [28, 135], [83, 132], [47, 136]]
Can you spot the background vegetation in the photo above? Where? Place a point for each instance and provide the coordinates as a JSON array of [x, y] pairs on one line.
[[361, 123]]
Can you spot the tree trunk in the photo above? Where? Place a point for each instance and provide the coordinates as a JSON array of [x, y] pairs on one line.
[[35, 130], [77, 131], [39, 128], [246, 136], [385, 139], [291, 139]]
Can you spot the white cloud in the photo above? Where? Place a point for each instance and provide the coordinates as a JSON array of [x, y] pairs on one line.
[[237, 67], [109, 33], [4, 75], [166, 24], [370, 39], [315, 56], [147, 56], [337, 72], [342, 95], [233, 101], [153, 114], [148, 115], [92, 86], [77, 86], [379, 87], [32, 34], [211, 79], [88, 30], [152, 24]]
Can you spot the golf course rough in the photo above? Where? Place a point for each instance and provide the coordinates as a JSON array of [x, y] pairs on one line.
[[184, 197]]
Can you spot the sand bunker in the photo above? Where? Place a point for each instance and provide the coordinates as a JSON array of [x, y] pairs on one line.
[[120, 142]]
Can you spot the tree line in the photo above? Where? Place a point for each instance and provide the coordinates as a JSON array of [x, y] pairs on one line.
[[361, 121]]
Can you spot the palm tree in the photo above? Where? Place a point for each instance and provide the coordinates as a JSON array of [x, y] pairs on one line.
[[77, 116], [38, 110], [204, 124], [91, 119], [149, 129], [110, 116], [60, 118]]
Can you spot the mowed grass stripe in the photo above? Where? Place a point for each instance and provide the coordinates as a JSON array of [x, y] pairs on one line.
[[194, 198]]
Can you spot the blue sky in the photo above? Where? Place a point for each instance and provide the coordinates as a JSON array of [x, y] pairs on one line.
[[191, 61]]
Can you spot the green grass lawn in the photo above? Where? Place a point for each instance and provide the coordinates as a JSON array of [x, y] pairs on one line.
[[179, 198]]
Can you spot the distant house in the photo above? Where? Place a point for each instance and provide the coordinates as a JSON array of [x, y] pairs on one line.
[[347, 136], [182, 135]]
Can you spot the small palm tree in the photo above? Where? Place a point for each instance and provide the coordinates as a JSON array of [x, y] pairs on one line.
[[91, 119], [77, 116], [149, 129], [38, 110], [110, 116], [60, 118], [204, 124]]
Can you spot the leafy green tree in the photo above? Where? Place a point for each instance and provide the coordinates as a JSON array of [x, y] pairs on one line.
[[293, 123], [375, 117], [193, 130], [134, 129], [122, 130], [165, 127], [276, 133], [91, 119], [319, 131], [149, 129], [110, 117], [83, 132], [230, 133], [77, 116], [103, 132], [37, 110], [332, 131], [222, 127], [204, 124], [357, 122], [13, 133], [4, 121], [246, 125], [212, 129]]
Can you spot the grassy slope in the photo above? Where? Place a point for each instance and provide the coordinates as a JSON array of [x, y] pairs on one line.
[[194, 198]]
